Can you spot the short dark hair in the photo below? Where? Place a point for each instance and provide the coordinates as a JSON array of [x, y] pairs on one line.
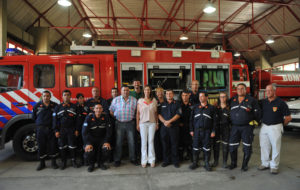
[[79, 95], [124, 86], [98, 103], [66, 91], [47, 92], [205, 93], [135, 79], [169, 89], [242, 85], [114, 89]]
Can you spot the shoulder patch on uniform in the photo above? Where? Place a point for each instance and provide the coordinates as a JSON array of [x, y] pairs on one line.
[[54, 114], [85, 124]]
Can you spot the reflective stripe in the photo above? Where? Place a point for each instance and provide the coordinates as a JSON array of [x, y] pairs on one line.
[[71, 112], [206, 149], [100, 127], [225, 114], [197, 115], [85, 124], [72, 147], [233, 144], [54, 114], [60, 112], [246, 144], [234, 107], [53, 155], [63, 147], [207, 116], [244, 107], [196, 148], [44, 156], [224, 142]]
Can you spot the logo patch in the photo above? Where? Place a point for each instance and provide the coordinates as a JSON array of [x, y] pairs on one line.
[[274, 109]]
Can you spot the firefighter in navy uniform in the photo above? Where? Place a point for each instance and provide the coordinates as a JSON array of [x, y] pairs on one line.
[[185, 139], [97, 133], [244, 111], [168, 113], [42, 115], [202, 128], [222, 130], [97, 99], [83, 111], [64, 124], [194, 93]]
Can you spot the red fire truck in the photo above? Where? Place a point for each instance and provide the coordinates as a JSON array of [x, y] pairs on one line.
[[23, 79]]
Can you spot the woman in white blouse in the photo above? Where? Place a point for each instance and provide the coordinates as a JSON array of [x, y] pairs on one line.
[[146, 124]]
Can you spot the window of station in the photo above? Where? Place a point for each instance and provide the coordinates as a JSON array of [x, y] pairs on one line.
[[43, 76], [172, 76], [11, 77], [212, 79], [79, 75], [131, 72]]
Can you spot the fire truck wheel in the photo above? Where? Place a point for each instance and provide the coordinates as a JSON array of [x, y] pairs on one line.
[[25, 144]]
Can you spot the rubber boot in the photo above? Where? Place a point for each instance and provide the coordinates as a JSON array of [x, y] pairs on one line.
[[225, 156], [195, 160], [245, 162], [53, 163], [41, 165], [91, 168], [73, 156], [206, 160], [216, 155], [233, 156], [63, 154]]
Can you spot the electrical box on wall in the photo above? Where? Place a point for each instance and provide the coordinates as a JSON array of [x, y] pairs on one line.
[[135, 53], [176, 54]]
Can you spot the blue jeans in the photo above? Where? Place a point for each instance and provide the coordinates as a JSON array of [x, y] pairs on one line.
[[121, 128]]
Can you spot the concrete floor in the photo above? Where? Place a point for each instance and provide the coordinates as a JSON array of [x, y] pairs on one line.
[[16, 174]]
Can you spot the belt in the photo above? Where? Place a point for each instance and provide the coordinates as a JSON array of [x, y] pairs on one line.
[[124, 121]]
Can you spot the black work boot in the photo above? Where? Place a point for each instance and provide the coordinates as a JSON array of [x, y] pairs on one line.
[[53, 163], [216, 155], [63, 164], [74, 163], [245, 162], [206, 159], [233, 164], [42, 165], [195, 160], [225, 156], [91, 168], [102, 166]]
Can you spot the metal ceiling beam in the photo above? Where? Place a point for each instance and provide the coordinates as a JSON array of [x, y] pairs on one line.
[[230, 18], [294, 14], [58, 41], [267, 2], [168, 19], [84, 18], [92, 26], [47, 10], [114, 17], [43, 16], [141, 23]]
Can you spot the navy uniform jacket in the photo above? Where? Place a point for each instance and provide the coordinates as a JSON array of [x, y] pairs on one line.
[[42, 115], [91, 103], [203, 117], [242, 113], [186, 112], [97, 129], [274, 112], [223, 115], [194, 98], [169, 110], [64, 116], [83, 111]]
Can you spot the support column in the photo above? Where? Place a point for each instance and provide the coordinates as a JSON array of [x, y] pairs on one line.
[[42, 40], [264, 60], [3, 26]]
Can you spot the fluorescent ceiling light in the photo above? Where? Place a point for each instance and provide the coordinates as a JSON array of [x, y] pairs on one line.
[[209, 8], [86, 35], [65, 3], [237, 54], [270, 40], [183, 37]]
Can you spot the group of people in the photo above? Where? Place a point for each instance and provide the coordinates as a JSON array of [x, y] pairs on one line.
[[159, 128]]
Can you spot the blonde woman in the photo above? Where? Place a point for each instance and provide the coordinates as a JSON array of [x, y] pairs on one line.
[[147, 124]]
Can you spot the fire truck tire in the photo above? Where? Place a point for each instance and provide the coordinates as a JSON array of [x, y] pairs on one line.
[[25, 144]]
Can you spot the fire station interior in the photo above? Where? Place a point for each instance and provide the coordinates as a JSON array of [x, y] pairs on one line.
[[80, 44]]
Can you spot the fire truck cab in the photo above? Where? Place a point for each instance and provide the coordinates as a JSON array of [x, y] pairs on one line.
[[24, 78]]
